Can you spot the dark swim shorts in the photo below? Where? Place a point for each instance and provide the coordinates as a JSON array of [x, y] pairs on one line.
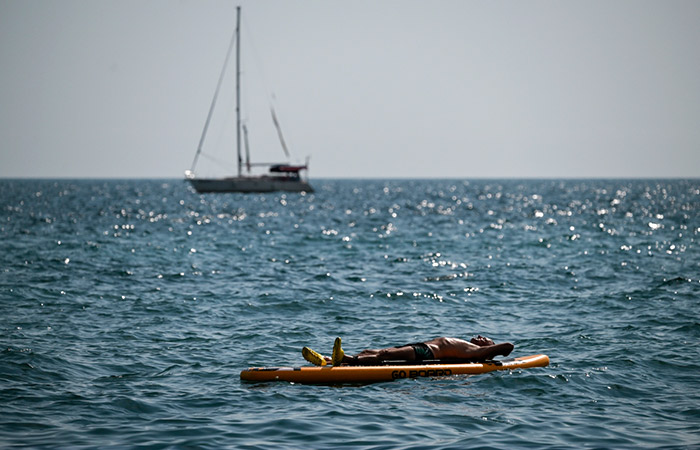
[[422, 351]]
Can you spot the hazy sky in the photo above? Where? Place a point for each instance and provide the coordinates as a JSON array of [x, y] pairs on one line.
[[456, 89]]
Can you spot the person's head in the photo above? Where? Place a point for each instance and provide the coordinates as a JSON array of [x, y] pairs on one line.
[[482, 341]]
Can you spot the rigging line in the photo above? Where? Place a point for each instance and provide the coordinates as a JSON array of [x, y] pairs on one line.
[[279, 131], [213, 102], [265, 84], [250, 43]]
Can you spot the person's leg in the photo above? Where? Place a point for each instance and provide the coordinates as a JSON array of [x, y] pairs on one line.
[[364, 358], [374, 357]]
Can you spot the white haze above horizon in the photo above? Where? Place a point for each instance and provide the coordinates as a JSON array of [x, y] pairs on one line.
[[365, 89]]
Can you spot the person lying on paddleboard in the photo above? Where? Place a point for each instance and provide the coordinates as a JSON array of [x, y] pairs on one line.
[[479, 348]]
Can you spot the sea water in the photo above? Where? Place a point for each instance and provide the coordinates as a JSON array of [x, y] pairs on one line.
[[129, 308]]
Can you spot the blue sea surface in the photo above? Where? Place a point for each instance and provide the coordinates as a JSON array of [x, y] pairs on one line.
[[128, 309]]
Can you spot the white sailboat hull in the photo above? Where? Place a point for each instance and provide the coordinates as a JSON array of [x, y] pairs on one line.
[[250, 184]]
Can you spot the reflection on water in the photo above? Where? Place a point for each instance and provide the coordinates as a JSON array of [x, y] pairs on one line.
[[130, 307]]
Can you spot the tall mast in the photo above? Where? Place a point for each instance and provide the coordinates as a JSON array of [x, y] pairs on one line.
[[238, 88]]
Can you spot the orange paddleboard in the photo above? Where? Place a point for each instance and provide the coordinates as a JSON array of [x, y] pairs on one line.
[[373, 374]]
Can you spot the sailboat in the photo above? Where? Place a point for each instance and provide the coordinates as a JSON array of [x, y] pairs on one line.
[[280, 176]]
